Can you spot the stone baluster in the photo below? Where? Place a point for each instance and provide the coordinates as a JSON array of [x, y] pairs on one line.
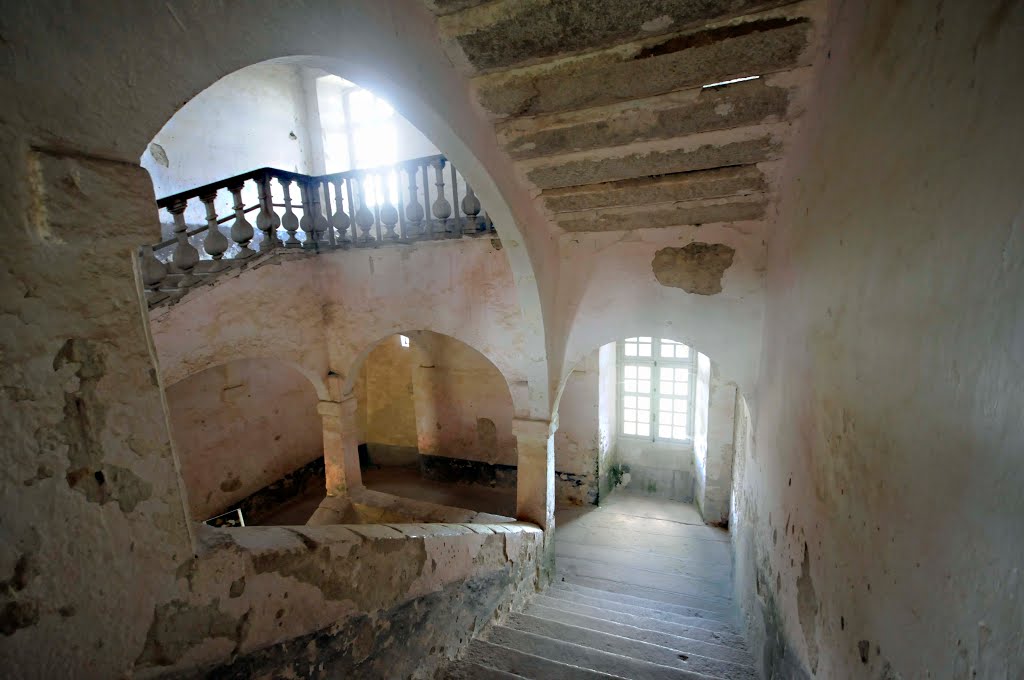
[[364, 216], [340, 218], [289, 220], [414, 213], [267, 221], [388, 212], [471, 207], [241, 231], [153, 270], [185, 255], [322, 228], [215, 244], [442, 209], [306, 223], [457, 225]]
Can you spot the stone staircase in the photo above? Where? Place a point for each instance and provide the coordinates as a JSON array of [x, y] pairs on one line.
[[635, 597], [573, 631]]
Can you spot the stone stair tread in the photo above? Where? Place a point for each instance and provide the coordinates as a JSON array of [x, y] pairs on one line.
[[526, 665], [468, 670], [722, 607], [586, 657], [713, 594], [568, 598], [648, 623], [682, 644], [570, 589]]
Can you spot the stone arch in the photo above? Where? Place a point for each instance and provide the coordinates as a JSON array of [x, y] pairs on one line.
[[390, 47], [240, 426]]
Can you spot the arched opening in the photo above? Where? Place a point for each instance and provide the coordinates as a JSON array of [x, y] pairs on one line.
[[435, 423], [650, 417], [249, 441]]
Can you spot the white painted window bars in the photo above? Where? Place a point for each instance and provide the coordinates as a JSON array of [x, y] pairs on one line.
[[386, 209], [656, 385]]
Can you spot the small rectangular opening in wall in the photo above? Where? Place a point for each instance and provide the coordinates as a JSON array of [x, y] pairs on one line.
[[403, 340], [723, 83]]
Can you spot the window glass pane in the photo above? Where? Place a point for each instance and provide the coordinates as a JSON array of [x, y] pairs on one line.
[[629, 385], [666, 386], [665, 431], [643, 403], [679, 432], [629, 414], [643, 429], [629, 428], [629, 372], [645, 350], [643, 339], [630, 350], [629, 402], [643, 372], [643, 386]]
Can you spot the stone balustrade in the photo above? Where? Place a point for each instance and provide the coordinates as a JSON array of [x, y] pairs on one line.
[[415, 200]]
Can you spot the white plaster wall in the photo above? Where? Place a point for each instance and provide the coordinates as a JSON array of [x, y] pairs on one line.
[[255, 117], [240, 426], [660, 469], [880, 513], [608, 412], [700, 429], [717, 485]]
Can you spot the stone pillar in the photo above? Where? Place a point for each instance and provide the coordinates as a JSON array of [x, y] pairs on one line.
[[535, 488], [535, 485], [341, 447]]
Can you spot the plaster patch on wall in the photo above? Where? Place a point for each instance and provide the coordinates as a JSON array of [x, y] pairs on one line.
[[178, 626], [696, 268], [159, 154]]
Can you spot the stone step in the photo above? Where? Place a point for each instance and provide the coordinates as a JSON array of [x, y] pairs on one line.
[[681, 656], [568, 590], [645, 622], [719, 605], [527, 665], [696, 565], [585, 657], [708, 650], [569, 599], [715, 595], [467, 670]]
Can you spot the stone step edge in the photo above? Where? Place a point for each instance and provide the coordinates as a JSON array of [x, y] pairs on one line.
[[724, 607], [539, 615], [680, 650], [599, 653], [614, 606], [481, 641]]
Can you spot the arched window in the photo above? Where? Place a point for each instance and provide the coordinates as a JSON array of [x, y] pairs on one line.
[[656, 384]]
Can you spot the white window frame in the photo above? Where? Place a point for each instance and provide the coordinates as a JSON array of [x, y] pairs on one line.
[[656, 362]]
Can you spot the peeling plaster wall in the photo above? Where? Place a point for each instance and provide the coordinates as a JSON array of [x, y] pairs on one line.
[[878, 514], [252, 118], [262, 601], [660, 469], [240, 426]]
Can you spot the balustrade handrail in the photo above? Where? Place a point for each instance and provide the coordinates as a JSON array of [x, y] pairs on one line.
[[369, 206], [277, 173]]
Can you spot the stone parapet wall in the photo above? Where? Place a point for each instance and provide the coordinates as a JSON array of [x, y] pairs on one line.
[[341, 601]]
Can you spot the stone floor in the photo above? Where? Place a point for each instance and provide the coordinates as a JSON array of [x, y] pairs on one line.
[[643, 590]]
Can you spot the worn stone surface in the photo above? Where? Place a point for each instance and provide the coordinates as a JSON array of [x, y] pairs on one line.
[[673, 115], [648, 69], [696, 268], [683, 186], [694, 213], [511, 33], [611, 168]]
